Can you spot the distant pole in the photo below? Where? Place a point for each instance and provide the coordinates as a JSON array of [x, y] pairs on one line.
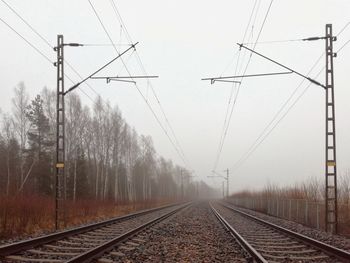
[[223, 189], [198, 190], [223, 183], [331, 163], [227, 183], [60, 133], [182, 185]]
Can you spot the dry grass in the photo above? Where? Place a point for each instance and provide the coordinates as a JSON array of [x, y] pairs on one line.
[[311, 191], [24, 215], [27, 215]]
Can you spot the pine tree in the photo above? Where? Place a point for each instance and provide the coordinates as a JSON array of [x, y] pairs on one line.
[[40, 144]]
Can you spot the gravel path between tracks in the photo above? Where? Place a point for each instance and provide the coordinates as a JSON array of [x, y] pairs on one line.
[[334, 240], [192, 235]]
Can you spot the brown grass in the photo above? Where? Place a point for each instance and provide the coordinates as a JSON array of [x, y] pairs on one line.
[[33, 214], [311, 191]]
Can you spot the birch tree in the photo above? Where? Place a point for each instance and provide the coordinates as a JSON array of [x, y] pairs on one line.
[[20, 123]]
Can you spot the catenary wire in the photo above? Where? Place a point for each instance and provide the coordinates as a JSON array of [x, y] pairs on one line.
[[256, 143], [227, 121], [138, 89], [275, 41], [239, 85], [275, 125], [277, 113], [48, 44], [149, 83], [232, 89], [39, 52]]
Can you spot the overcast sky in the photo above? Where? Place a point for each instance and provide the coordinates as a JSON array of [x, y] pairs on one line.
[[182, 42]]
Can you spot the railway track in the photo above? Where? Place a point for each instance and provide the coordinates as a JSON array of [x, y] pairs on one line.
[[267, 242], [83, 244], [139, 237], [192, 235]]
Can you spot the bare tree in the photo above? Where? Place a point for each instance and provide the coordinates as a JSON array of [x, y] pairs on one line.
[[105, 157], [117, 124], [20, 122], [8, 136], [75, 120], [344, 187]]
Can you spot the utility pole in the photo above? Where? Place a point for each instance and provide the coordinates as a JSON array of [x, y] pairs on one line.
[[223, 183], [182, 185], [60, 180], [227, 183], [331, 163], [60, 129], [223, 189], [331, 200]]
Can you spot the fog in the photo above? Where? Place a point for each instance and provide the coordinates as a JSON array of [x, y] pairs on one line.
[[183, 42]]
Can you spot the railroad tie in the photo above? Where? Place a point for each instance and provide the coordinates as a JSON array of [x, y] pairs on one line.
[[23, 259]]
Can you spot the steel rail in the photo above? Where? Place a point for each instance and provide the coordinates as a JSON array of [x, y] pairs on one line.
[[243, 243], [13, 248], [326, 248], [109, 245]]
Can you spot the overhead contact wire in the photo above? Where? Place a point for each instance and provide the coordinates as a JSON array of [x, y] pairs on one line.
[[138, 89]]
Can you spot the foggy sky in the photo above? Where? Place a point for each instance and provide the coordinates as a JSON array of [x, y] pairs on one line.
[[182, 42]]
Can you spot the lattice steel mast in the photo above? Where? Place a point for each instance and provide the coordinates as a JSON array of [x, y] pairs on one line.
[[331, 216], [60, 130], [60, 180]]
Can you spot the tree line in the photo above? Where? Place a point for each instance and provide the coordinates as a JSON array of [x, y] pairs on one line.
[[106, 159]]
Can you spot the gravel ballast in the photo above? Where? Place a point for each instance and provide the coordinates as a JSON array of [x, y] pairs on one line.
[[192, 235]]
